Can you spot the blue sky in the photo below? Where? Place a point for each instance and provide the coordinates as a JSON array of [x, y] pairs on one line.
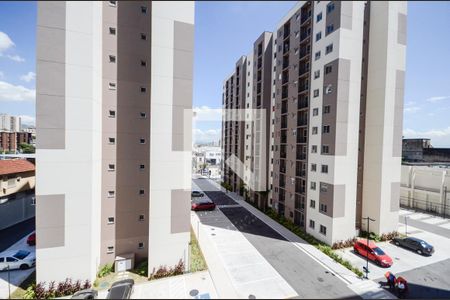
[[226, 30]]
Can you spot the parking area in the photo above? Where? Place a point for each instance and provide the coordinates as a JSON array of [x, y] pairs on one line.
[[16, 277], [427, 275]]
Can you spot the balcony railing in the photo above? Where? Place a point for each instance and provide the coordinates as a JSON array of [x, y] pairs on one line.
[[301, 139], [302, 103], [302, 121]]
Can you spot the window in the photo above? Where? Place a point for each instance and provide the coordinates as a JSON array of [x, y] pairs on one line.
[[143, 63], [316, 93], [142, 167], [323, 230], [317, 55], [315, 111], [112, 30], [111, 194], [110, 220], [330, 7], [112, 86], [143, 115], [312, 203], [33, 201], [329, 49], [328, 89], [325, 169], [141, 245], [141, 192], [326, 129], [318, 36], [316, 74], [318, 17], [312, 224], [323, 187], [112, 3], [111, 167], [314, 130], [112, 59], [313, 149], [142, 140], [330, 29], [141, 217], [328, 69], [143, 89], [325, 149], [144, 9], [313, 167], [110, 249], [323, 208], [112, 140], [313, 185], [143, 36], [326, 109], [112, 113]]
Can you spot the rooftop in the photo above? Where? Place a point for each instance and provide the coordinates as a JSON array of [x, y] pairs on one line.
[[15, 166]]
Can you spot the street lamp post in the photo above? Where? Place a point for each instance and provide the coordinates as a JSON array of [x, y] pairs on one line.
[[9, 285], [445, 200], [406, 225], [366, 269]]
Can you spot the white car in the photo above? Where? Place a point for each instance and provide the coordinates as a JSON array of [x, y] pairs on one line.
[[19, 259]]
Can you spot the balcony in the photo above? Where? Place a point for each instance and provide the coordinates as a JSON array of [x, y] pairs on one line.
[[299, 202], [283, 137], [285, 48], [300, 156], [302, 103], [285, 62], [302, 88], [301, 139], [282, 166], [284, 122], [284, 107], [303, 121]]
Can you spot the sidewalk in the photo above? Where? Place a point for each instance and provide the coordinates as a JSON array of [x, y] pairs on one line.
[[197, 285], [367, 289]]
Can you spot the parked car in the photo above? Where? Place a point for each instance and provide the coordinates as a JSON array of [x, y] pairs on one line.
[[196, 194], [417, 245], [19, 259], [121, 289], [202, 204], [373, 252], [31, 240], [85, 294]]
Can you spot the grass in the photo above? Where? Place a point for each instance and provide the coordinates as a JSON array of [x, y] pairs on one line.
[[197, 261], [324, 248], [19, 293]]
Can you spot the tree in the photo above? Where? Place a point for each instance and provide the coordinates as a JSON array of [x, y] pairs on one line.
[[26, 148]]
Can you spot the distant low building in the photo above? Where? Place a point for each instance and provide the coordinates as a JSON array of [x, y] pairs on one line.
[[421, 150], [17, 185], [10, 141]]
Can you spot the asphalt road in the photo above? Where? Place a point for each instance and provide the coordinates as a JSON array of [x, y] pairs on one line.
[[428, 282], [307, 277], [11, 235]]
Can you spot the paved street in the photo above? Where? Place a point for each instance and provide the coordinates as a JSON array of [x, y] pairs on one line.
[[308, 278], [11, 235]]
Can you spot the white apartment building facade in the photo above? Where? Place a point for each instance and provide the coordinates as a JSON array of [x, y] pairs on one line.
[[10, 123], [337, 81], [114, 79]]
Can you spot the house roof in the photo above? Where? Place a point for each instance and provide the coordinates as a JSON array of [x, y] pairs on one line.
[[13, 166]]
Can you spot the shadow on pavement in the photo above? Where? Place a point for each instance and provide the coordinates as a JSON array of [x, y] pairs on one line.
[[9, 236]]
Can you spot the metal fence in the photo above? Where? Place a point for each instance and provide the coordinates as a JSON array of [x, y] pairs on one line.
[[432, 207]]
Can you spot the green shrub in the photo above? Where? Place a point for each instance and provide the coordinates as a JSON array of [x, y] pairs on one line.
[[105, 270], [142, 268]]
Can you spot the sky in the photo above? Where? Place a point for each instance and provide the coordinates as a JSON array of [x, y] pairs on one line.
[[224, 31]]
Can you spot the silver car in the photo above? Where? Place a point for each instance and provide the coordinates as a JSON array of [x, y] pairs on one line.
[[18, 259]]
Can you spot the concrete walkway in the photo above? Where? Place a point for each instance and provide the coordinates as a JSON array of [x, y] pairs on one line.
[[366, 289], [197, 285]]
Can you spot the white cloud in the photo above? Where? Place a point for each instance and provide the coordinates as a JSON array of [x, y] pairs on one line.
[[16, 58], [205, 113], [210, 135], [412, 109], [2, 75], [5, 42], [28, 77], [28, 120], [10, 92], [437, 98], [439, 137]]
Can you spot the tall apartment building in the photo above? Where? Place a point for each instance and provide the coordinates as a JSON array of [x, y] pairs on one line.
[[114, 79], [10, 123], [10, 141], [336, 86]]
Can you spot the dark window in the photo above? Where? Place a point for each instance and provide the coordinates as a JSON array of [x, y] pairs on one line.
[[143, 89], [328, 69], [112, 30], [323, 230], [323, 208], [312, 224], [319, 17], [330, 28], [326, 129], [326, 109], [330, 7], [312, 203], [144, 9], [143, 36]]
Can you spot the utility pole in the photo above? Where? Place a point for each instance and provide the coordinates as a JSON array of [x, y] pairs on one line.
[[445, 200], [366, 269], [9, 284], [406, 225]]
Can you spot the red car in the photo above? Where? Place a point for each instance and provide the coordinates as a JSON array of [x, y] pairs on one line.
[[31, 240], [202, 204], [374, 253]]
